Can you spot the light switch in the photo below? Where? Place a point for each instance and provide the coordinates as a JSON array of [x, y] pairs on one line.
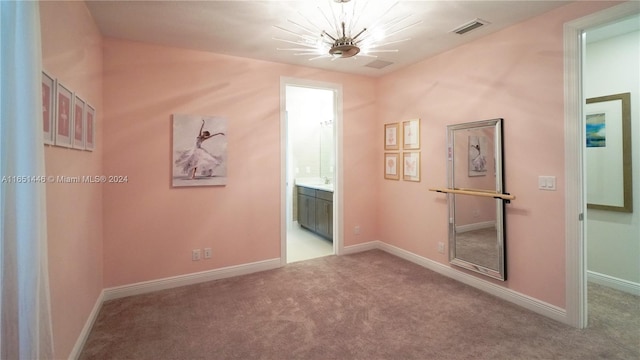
[[547, 183]]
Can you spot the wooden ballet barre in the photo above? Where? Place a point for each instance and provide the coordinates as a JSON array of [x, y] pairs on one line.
[[486, 193]]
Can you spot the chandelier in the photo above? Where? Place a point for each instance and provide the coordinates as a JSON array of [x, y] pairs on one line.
[[332, 33]]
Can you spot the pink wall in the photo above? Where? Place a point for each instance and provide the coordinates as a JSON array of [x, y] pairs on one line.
[[72, 52], [151, 228], [515, 74]]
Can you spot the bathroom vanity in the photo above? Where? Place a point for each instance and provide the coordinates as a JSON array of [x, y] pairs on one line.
[[315, 209]]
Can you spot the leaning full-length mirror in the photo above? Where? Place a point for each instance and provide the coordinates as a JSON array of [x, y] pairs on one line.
[[476, 225]]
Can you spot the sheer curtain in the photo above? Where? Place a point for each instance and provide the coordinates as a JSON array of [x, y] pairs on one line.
[[25, 321]]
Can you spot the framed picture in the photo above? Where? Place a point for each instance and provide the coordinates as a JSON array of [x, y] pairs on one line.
[[411, 134], [478, 155], [392, 166], [199, 150], [392, 136], [48, 108], [89, 127], [64, 116], [411, 166], [608, 153], [78, 122]]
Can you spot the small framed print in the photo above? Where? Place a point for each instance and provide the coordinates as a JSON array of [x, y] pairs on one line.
[[411, 134], [78, 122], [64, 116], [392, 166], [391, 136], [89, 127], [411, 166], [48, 108]]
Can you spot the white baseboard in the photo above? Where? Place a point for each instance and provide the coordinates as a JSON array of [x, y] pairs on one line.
[[476, 226], [189, 279], [614, 282], [352, 249], [84, 333], [512, 296]]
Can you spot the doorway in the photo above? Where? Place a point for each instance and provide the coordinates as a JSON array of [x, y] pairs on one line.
[[575, 156], [310, 127]]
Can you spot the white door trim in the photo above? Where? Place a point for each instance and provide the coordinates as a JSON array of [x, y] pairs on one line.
[[576, 280], [338, 203]]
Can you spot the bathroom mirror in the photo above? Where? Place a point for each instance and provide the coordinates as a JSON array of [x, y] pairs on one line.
[[476, 208]]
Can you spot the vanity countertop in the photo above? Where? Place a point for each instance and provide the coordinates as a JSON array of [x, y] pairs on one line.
[[323, 187]]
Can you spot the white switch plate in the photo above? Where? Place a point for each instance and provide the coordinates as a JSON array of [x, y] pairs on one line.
[[547, 183], [207, 253], [195, 255]]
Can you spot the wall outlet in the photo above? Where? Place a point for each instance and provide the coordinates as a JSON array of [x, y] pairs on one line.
[[441, 247], [207, 253], [195, 255], [356, 230]]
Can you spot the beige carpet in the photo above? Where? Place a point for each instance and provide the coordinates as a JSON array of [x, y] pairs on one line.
[[370, 305]]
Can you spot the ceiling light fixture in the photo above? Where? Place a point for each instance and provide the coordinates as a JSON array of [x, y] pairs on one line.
[[339, 41]]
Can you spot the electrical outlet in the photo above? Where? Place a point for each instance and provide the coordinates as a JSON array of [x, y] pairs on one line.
[[195, 255], [441, 247], [356, 230], [207, 253]]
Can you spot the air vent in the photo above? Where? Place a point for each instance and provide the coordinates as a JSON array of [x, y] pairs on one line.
[[378, 64], [471, 25]]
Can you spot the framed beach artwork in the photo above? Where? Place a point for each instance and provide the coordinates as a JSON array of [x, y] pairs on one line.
[[608, 153], [411, 166], [391, 136], [48, 108], [89, 127], [64, 116], [411, 134], [392, 166], [199, 150], [78, 122], [477, 155]]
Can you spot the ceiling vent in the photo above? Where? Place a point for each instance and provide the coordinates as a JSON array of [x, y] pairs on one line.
[[378, 64], [471, 25]]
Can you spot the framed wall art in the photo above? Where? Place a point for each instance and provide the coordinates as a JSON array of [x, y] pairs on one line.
[[78, 122], [411, 166], [89, 127], [392, 136], [608, 153], [64, 116], [48, 108], [392, 166], [411, 134], [477, 155], [199, 150]]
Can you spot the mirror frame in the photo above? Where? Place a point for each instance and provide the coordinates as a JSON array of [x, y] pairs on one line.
[[500, 273]]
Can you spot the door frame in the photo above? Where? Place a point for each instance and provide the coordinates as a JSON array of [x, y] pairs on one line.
[[338, 229], [575, 196]]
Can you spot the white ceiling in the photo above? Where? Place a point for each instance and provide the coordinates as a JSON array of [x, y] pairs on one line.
[[246, 28]]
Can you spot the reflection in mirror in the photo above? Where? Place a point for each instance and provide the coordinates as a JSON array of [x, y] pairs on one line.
[[476, 229]]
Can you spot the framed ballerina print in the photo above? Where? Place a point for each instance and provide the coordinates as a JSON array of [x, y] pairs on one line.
[[411, 134], [199, 150], [392, 166], [64, 116], [391, 133], [48, 108], [78, 122], [89, 127]]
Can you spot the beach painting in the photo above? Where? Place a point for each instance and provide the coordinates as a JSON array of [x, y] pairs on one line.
[[596, 130], [199, 150]]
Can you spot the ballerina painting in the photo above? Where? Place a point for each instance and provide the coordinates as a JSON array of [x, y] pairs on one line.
[[199, 150]]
